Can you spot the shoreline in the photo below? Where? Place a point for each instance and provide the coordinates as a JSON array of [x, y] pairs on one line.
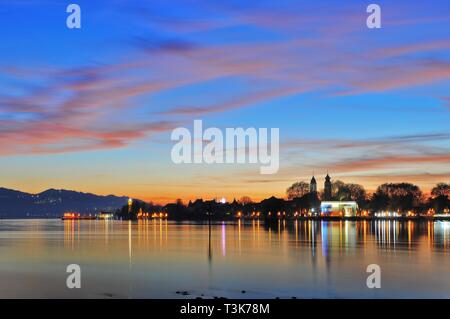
[[246, 220]]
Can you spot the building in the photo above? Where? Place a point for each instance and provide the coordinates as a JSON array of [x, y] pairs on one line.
[[328, 207], [313, 185], [339, 209], [327, 188], [105, 215]]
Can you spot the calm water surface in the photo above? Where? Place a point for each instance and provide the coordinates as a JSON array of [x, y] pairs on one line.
[[155, 259]]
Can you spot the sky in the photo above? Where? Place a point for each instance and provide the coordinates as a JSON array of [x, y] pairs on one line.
[[93, 109]]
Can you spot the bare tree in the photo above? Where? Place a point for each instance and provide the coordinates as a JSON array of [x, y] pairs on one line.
[[353, 192], [441, 189], [245, 200], [297, 190], [397, 196], [335, 187]]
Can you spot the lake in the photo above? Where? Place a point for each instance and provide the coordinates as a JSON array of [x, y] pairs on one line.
[[164, 259]]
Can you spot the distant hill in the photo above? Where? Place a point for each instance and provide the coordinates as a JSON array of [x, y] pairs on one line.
[[53, 203]]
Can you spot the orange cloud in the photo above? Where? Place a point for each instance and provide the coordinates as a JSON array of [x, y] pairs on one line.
[[379, 162]]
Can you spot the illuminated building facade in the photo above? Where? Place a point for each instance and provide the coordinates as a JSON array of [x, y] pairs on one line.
[[339, 209]]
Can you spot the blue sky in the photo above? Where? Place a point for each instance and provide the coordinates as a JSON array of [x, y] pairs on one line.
[[92, 109]]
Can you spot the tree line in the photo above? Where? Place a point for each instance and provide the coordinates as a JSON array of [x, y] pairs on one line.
[[399, 197]]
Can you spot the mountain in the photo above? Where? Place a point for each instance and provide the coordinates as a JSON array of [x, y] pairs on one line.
[[54, 202]]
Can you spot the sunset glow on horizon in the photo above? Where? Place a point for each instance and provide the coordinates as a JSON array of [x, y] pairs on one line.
[[93, 109]]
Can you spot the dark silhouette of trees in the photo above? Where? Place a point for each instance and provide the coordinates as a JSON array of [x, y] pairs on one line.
[[270, 208], [177, 210], [335, 187], [440, 201], [137, 206], [351, 192], [341, 191], [440, 204], [302, 205], [400, 197], [245, 200], [297, 189], [441, 189], [379, 201]]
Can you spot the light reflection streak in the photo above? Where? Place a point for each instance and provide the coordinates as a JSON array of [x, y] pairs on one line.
[[129, 242], [239, 236], [224, 239], [335, 237], [324, 238]]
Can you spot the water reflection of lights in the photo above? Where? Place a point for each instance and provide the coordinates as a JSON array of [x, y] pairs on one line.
[[129, 241], [445, 225], [335, 237], [71, 229], [311, 225], [296, 232], [430, 233], [441, 234], [386, 232], [224, 239], [346, 231], [160, 234], [410, 232], [239, 236], [324, 226]]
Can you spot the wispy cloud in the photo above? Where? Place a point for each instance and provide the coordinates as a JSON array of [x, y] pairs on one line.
[[374, 162], [271, 50]]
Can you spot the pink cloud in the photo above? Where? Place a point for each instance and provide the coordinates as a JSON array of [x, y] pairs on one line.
[[77, 103]]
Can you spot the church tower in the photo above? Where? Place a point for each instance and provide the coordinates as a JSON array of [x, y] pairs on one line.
[[327, 188], [313, 186]]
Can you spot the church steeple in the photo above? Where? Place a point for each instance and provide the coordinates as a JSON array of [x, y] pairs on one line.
[[313, 185], [327, 188]]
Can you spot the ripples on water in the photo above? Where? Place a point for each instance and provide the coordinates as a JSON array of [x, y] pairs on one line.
[[160, 259]]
